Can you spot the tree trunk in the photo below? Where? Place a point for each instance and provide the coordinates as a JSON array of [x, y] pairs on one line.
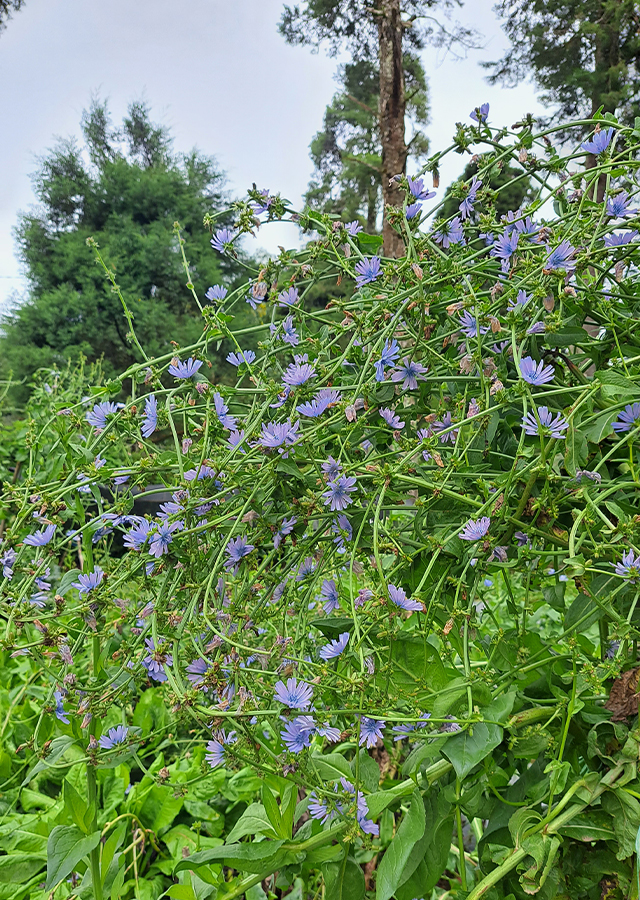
[[606, 86], [392, 109]]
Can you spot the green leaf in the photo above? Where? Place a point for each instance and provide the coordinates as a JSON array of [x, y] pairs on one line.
[[20, 866], [332, 767], [66, 581], [592, 825], [76, 806], [465, 750], [289, 468], [343, 880], [151, 714], [58, 748], [273, 811], [625, 811], [159, 808], [429, 856], [369, 243], [615, 385], [582, 614], [67, 845], [576, 450], [332, 626], [416, 664], [109, 849], [567, 336], [182, 892], [369, 771], [600, 427], [254, 820], [393, 863], [254, 857]]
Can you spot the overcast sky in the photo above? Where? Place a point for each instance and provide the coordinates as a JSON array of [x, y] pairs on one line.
[[218, 74]]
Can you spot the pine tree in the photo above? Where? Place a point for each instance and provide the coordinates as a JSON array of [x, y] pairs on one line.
[[125, 188], [583, 55]]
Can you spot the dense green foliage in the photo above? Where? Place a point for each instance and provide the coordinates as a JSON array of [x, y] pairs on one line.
[[584, 55], [383, 637], [125, 189]]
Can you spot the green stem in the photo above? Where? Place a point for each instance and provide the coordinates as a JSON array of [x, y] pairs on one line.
[[463, 865]]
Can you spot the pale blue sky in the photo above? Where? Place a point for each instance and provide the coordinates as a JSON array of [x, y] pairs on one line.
[[218, 73]]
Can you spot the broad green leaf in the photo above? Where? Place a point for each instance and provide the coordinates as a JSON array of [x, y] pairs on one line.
[[332, 767], [151, 714], [567, 336], [67, 580], [58, 748], [428, 858], [369, 771], [392, 867], [20, 866], [254, 857], [273, 811], [369, 243], [254, 820], [592, 825], [625, 811], [76, 806], [332, 626], [600, 427], [414, 659], [111, 844], [182, 892], [343, 880], [465, 750], [160, 807], [616, 385], [67, 845]]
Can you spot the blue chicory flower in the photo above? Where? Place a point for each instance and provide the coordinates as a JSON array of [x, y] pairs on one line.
[[114, 737], [334, 648], [367, 270], [294, 694], [40, 538], [480, 114], [475, 529], [599, 142], [185, 370], [548, 424], [222, 236], [90, 581], [150, 416], [536, 373], [626, 419]]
